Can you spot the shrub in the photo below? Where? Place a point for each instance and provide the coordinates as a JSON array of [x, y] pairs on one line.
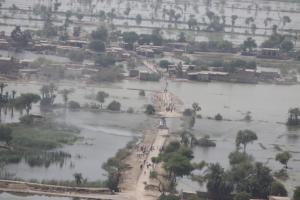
[[142, 93], [5, 134], [164, 64], [97, 45], [150, 110], [130, 110], [278, 189], [105, 61], [114, 106], [205, 142], [108, 75], [76, 56], [297, 193], [28, 119], [218, 117], [74, 105]]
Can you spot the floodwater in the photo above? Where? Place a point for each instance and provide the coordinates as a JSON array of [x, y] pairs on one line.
[[105, 132], [268, 105], [259, 10]]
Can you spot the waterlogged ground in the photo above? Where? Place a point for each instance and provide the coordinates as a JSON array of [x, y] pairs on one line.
[[259, 10], [104, 133], [107, 132], [268, 105]]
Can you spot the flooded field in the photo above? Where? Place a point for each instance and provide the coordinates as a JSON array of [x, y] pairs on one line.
[[156, 14], [105, 133]]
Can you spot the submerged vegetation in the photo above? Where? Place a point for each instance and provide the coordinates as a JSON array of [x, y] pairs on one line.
[[111, 44], [33, 142]]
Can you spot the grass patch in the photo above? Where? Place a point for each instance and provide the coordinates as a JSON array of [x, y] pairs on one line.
[[32, 143], [42, 137]]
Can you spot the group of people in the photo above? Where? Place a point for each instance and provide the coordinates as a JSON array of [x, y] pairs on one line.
[[142, 153], [164, 102]]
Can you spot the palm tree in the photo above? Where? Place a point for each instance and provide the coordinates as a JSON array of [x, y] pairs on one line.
[[176, 18], [285, 20], [274, 29], [233, 19], [253, 28], [65, 95], [13, 94], [78, 178], [196, 107], [2, 86], [248, 21], [12, 102], [249, 44], [266, 22], [138, 19], [101, 96]]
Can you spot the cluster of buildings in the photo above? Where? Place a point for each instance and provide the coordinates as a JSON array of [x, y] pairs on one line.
[[239, 76], [60, 71]]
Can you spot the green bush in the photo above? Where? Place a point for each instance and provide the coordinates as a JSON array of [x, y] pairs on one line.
[[114, 106], [74, 105], [219, 117]]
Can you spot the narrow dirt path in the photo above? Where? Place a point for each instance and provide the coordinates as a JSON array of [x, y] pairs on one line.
[[144, 179]]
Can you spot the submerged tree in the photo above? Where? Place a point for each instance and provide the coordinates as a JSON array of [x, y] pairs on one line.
[[218, 185], [244, 137], [5, 134], [150, 110], [284, 158], [138, 19], [249, 44], [20, 38], [65, 95], [285, 20], [233, 20], [114, 106], [48, 94], [26, 100], [101, 96], [293, 119], [78, 178]]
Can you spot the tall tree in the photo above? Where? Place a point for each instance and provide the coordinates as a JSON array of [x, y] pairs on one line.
[[233, 20], [297, 193], [5, 134], [293, 119], [101, 96], [278, 189], [284, 158], [2, 86], [285, 20], [138, 19], [249, 44], [26, 100], [218, 185], [244, 137], [65, 95]]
